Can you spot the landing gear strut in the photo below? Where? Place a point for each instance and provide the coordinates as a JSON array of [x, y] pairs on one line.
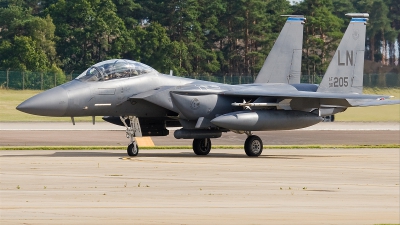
[[202, 146], [132, 131], [253, 145]]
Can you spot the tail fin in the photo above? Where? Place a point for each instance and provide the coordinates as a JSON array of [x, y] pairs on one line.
[[283, 64], [345, 71]]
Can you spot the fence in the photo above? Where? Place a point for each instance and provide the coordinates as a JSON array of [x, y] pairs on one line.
[[42, 81], [30, 80]]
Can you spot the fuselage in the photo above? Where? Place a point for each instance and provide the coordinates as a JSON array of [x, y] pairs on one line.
[[118, 87], [117, 97]]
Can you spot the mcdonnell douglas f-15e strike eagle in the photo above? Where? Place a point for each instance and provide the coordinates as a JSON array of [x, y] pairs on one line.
[[147, 102]]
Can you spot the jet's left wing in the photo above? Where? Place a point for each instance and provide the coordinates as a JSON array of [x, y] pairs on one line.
[[284, 91], [300, 94]]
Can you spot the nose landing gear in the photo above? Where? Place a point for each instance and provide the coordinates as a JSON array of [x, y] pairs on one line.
[[133, 149], [132, 131]]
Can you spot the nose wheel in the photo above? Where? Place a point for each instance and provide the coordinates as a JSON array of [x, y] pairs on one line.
[[202, 146], [133, 149], [132, 131], [253, 145]]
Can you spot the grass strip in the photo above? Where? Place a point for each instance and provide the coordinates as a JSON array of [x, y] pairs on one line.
[[190, 147]]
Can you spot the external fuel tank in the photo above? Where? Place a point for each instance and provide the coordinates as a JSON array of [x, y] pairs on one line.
[[264, 120]]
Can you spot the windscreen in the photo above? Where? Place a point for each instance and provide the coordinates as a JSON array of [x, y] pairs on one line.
[[114, 69]]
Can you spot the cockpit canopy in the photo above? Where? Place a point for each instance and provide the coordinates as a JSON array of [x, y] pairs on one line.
[[114, 69]]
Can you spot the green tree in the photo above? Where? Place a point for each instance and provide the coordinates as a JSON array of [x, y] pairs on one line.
[[248, 30], [340, 8], [184, 25], [378, 28], [87, 31], [27, 41], [155, 48], [322, 35], [394, 17], [22, 53], [254, 26], [126, 9]]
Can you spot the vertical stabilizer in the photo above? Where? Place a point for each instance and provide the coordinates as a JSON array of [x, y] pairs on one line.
[[283, 64], [345, 71]]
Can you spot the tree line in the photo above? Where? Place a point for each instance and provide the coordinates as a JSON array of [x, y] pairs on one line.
[[187, 36]]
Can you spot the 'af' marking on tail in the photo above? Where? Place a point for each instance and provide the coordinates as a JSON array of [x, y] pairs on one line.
[[349, 58]]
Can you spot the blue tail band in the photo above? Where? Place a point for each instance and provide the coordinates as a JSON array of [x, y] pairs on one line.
[[359, 20], [296, 19]]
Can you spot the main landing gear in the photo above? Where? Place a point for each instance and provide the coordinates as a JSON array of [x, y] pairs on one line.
[[253, 145], [132, 131], [202, 146]]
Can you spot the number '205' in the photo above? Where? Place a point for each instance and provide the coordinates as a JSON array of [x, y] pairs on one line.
[[340, 81]]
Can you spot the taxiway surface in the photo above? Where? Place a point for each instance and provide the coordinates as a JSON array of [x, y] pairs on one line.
[[324, 186]]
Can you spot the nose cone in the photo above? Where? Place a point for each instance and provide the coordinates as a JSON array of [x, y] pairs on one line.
[[53, 102]]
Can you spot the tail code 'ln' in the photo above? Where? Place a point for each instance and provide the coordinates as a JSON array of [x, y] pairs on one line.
[[345, 71], [348, 56]]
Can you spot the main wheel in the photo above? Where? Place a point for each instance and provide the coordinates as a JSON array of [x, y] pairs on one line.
[[253, 146], [133, 149], [202, 146]]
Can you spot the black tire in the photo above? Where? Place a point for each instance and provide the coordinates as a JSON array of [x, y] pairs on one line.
[[201, 146], [131, 151], [253, 146]]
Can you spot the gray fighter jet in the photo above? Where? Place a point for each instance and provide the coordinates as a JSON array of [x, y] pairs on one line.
[[146, 102]]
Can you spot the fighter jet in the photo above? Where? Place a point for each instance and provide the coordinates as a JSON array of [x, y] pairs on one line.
[[146, 102]]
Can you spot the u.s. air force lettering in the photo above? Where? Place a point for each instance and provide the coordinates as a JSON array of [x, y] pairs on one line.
[[349, 58]]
